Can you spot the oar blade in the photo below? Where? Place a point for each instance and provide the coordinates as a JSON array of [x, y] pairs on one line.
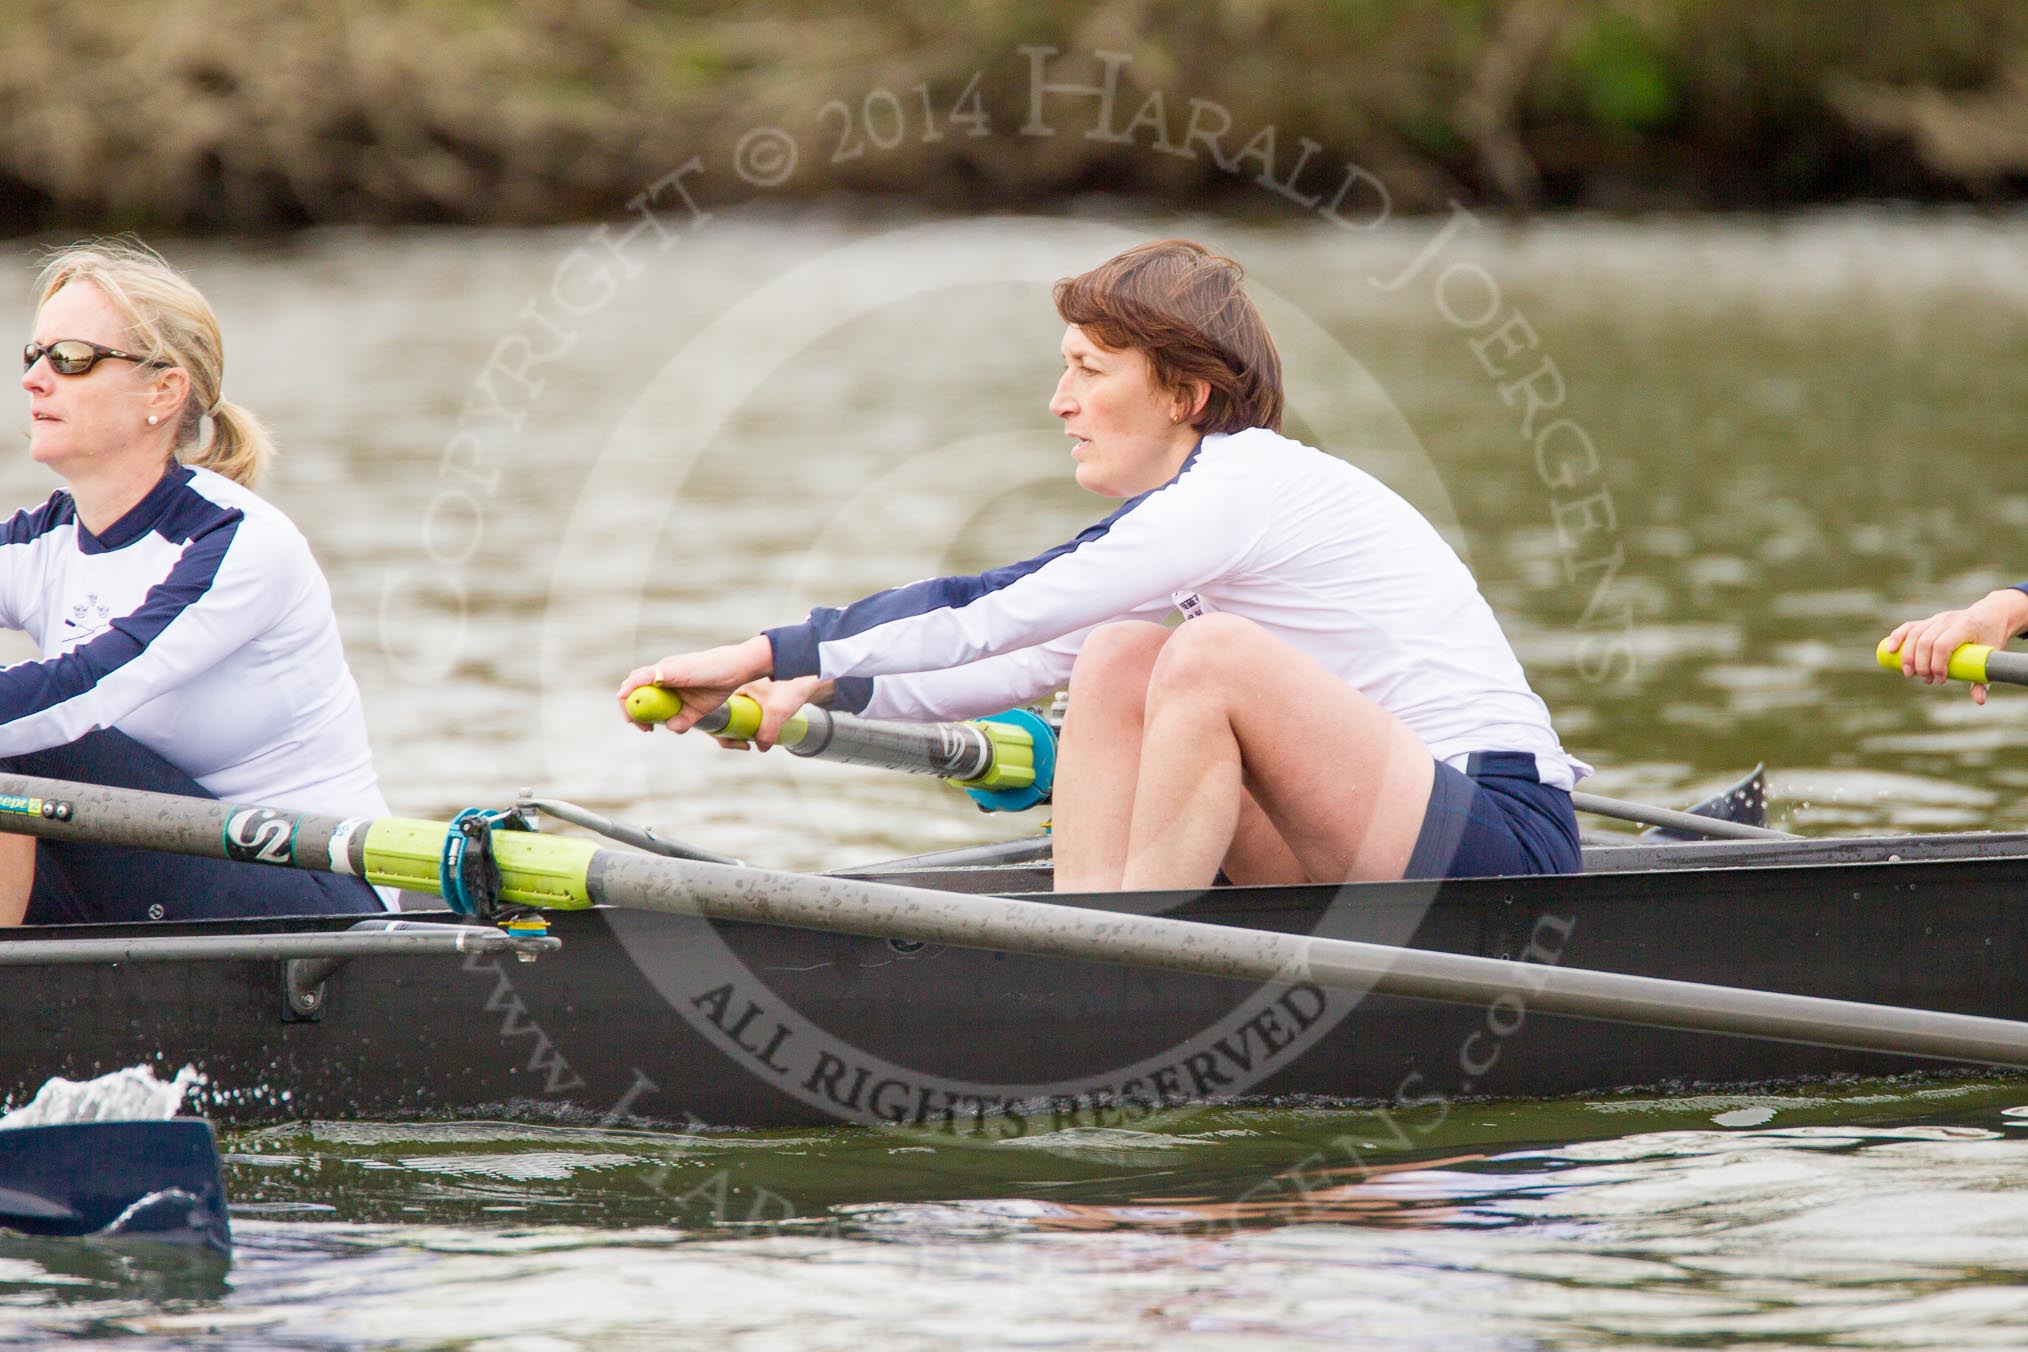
[[1745, 804], [152, 1180]]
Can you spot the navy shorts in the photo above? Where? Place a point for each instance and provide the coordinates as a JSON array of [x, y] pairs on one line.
[[78, 882], [1496, 818]]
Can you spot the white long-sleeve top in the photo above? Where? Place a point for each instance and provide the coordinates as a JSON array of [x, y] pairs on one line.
[[199, 625], [1314, 550]]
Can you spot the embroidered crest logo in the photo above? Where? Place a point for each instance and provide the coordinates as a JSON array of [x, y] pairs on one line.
[[87, 618]]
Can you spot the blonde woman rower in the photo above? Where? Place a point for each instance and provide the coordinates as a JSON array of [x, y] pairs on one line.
[[187, 639]]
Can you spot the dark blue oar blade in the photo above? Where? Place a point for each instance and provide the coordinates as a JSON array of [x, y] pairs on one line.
[[1745, 803], [158, 1180]]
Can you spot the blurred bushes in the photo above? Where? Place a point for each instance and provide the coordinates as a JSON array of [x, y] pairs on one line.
[[236, 114]]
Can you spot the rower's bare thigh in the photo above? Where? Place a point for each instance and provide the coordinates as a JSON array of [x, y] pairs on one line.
[[1259, 855], [1343, 782]]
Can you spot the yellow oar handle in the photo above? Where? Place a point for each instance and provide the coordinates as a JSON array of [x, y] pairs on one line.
[[1967, 663], [652, 704], [1007, 761], [738, 718]]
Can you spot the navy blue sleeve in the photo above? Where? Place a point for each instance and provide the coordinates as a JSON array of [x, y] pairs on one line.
[[58, 699], [850, 694]]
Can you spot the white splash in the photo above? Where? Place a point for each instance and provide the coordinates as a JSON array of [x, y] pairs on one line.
[[129, 1095]]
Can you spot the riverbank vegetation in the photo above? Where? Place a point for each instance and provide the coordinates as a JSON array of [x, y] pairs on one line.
[[196, 115]]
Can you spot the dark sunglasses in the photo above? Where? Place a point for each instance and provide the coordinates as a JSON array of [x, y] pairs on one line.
[[75, 356]]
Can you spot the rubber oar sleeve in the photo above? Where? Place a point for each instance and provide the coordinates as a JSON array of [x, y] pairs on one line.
[[535, 870]]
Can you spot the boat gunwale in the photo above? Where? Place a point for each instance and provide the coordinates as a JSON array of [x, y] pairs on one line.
[[1628, 862], [1711, 861]]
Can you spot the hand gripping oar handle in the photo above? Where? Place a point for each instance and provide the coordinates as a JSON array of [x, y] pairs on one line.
[[1972, 662], [1004, 761]]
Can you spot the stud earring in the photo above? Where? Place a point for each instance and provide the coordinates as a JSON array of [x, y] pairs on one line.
[[152, 420]]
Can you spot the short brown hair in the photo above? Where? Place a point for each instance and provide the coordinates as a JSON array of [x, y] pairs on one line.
[[1182, 306]]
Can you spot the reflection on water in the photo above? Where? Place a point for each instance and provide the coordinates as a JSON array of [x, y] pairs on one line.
[[1870, 1214]]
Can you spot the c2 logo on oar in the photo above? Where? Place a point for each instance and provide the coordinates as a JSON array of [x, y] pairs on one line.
[[260, 835]]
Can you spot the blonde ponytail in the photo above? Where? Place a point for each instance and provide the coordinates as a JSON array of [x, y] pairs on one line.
[[238, 446], [171, 323]]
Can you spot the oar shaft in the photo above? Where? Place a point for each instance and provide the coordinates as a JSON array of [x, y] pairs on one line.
[[1971, 662], [1687, 822], [853, 906], [640, 837], [536, 870], [2007, 668], [948, 750], [989, 755], [572, 874]]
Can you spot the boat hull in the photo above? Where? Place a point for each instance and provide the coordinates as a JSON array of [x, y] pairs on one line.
[[679, 1021]]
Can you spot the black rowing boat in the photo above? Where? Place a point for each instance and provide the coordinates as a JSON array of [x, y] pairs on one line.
[[680, 1020]]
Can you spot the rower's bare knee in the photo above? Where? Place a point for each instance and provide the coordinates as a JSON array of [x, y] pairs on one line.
[[1201, 658], [1114, 661]]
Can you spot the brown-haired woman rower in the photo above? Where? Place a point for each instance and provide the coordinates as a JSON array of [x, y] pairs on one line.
[[1338, 702]]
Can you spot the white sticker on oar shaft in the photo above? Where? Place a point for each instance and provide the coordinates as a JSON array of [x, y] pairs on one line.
[[341, 845]]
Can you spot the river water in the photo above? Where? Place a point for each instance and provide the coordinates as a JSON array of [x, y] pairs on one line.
[[1699, 467]]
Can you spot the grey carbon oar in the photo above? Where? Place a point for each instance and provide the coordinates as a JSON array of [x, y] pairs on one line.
[[640, 837], [1688, 822], [572, 874]]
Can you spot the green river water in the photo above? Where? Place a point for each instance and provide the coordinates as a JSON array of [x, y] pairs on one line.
[[524, 475]]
